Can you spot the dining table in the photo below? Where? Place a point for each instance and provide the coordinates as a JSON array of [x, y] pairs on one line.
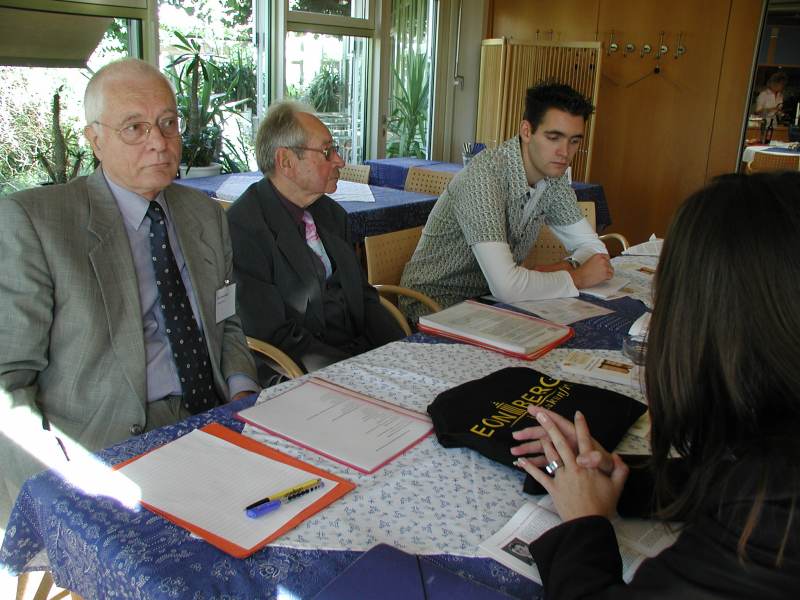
[[371, 209], [392, 172], [433, 501]]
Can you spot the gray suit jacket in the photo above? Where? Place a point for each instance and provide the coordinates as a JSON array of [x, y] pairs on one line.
[[72, 350]]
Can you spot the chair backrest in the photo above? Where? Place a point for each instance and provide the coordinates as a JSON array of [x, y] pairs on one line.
[[225, 204], [772, 161], [356, 173], [388, 253], [548, 249], [426, 181]]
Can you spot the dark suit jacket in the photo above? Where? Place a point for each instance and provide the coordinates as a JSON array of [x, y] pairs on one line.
[[72, 352], [281, 298], [580, 559]]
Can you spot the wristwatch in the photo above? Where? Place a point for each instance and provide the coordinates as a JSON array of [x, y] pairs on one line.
[[572, 262]]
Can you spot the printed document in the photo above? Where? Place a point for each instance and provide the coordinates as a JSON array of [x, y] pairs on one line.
[[350, 191], [497, 328], [562, 310], [618, 370], [361, 432], [608, 288], [652, 247], [638, 539]]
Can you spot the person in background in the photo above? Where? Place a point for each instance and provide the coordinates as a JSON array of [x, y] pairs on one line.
[[723, 386], [484, 224], [769, 101], [109, 290], [301, 285]]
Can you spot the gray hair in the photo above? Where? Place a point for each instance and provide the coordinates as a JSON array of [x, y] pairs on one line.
[[94, 98], [280, 129]]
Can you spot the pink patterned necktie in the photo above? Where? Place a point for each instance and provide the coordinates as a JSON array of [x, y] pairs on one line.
[[313, 241]]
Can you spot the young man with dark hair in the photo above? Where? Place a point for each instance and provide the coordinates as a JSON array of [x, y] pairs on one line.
[[486, 221]]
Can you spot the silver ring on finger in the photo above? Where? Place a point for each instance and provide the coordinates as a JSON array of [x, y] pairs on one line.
[[553, 466]]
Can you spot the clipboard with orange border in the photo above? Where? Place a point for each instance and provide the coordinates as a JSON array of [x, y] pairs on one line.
[[332, 493]]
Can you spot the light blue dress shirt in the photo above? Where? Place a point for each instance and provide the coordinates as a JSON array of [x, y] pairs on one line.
[[162, 374]]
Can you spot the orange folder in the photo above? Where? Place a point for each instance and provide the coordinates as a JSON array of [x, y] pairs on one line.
[[341, 488]]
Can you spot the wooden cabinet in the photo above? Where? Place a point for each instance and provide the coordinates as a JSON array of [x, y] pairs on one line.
[[509, 68]]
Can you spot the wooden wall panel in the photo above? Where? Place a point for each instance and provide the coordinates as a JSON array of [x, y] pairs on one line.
[[654, 132], [568, 20], [729, 118]]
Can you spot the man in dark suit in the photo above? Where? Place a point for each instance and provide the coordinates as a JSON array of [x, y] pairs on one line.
[[112, 290], [300, 282]]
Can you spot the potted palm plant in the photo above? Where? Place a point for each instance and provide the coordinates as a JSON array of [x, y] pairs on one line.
[[194, 74]]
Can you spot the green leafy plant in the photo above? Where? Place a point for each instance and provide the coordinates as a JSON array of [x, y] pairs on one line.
[[237, 81], [324, 91], [63, 161], [409, 117], [195, 75]]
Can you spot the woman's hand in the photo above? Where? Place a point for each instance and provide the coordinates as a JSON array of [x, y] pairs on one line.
[[596, 457], [577, 491]]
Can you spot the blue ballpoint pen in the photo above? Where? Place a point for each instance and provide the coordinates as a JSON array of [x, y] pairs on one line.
[[273, 502]]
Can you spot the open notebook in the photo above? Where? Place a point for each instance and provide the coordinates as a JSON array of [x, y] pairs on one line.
[[204, 480], [499, 329]]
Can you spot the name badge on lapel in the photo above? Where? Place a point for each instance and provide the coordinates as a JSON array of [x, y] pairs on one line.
[[226, 301]]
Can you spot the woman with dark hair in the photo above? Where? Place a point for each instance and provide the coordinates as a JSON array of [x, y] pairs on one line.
[[723, 385]]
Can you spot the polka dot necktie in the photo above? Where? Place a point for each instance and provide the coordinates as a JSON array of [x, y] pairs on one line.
[[185, 337]]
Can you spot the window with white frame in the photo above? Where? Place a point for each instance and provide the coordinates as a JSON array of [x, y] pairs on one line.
[[326, 62]]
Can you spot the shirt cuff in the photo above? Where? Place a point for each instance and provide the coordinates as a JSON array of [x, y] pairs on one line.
[[239, 382]]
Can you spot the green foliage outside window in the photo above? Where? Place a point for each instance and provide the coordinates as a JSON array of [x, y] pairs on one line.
[[409, 117], [325, 90]]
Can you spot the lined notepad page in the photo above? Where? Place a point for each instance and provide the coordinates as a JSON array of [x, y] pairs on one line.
[[207, 481]]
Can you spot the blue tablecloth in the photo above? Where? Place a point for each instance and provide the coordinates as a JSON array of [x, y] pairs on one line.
[[392, 172], [392, 210], [99, 549]]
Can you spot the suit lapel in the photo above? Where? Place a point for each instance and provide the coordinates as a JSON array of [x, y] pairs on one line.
[[116, 277], [293, 247]]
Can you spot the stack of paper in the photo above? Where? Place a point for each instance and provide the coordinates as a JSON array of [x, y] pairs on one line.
[[651, 247]]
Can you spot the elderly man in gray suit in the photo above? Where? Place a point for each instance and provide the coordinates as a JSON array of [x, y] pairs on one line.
[[118, 314]]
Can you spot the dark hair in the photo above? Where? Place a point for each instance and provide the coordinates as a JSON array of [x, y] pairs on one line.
[[723, 360], [549, 94]]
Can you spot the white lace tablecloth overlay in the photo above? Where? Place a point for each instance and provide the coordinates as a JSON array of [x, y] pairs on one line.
[[431, 499]]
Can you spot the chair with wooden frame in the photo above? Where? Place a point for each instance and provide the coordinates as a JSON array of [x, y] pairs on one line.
[[426, 181], [225, 204], [772, 161], [548, 249], [387, 255], [45, 587], [276, 358], [355, 173]]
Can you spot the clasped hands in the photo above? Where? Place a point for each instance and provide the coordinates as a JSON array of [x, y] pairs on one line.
[[590, 480]]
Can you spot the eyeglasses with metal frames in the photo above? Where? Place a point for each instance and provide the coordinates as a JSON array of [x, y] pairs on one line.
[[326, 152], [136, 133]]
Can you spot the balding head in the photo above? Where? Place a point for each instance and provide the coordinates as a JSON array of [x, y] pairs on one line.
[[122, 72]]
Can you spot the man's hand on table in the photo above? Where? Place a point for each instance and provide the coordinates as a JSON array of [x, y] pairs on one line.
[[595, 270]]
